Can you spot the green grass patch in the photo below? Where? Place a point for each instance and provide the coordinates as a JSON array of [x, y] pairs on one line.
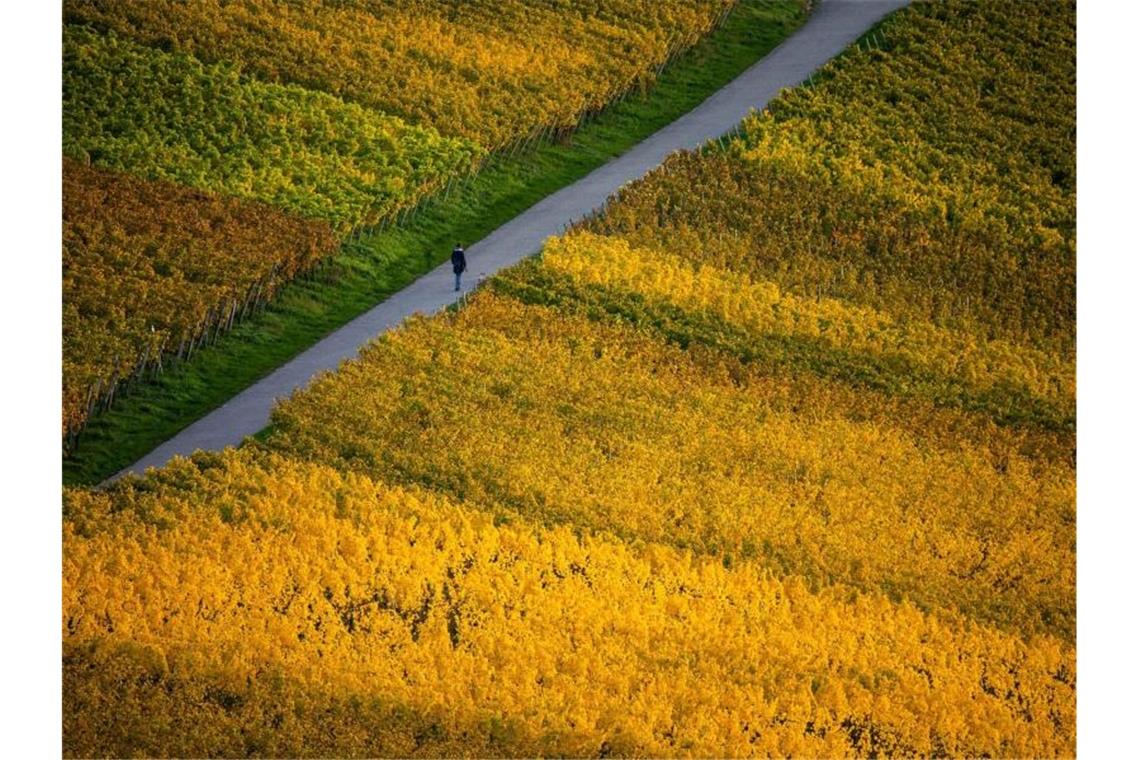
[[371, 269]]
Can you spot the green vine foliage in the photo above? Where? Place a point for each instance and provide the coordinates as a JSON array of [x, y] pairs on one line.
[[170, 117]]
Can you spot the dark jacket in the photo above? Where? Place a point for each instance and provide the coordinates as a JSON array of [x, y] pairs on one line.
[[458, 261]]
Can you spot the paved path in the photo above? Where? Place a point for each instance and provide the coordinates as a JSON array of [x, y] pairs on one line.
[[833, 26]]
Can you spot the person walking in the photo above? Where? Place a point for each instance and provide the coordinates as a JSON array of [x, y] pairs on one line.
[[458, 263]]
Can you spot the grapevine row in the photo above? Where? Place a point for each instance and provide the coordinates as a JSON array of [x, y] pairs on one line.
[[498, 73]]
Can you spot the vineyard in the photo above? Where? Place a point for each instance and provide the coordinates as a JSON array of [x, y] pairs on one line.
[[493, 71], [749, 317], [170, 117], [558, 419], [153, 270], [247, 101], [775, 456], [398, 622]]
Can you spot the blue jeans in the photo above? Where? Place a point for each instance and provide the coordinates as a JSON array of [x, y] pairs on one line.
[[457, 276]]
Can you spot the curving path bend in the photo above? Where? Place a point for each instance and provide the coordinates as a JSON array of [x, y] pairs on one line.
[[833, 26]]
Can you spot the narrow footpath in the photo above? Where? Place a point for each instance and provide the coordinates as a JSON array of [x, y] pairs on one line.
[[833, 26]]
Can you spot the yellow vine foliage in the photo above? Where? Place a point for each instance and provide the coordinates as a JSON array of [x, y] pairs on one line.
[[670, 490], [931, 175], [489, 70], [759, 306], [248, 568], [563, 419]]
